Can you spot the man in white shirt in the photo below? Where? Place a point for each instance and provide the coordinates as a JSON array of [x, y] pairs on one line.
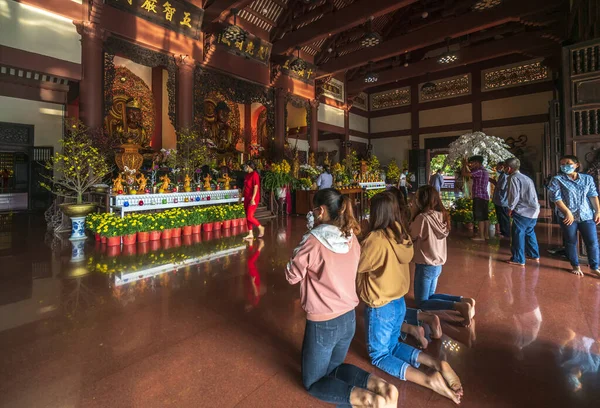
[[403, 184]]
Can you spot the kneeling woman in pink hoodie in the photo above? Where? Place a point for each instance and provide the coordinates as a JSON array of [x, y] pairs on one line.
[[325, 265]]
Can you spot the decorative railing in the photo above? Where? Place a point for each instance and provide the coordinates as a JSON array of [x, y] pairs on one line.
[[586, 122], [586, 59]]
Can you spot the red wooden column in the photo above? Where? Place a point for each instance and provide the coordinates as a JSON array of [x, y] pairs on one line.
[[248, 126], [92, 62], [345, 148], [157, 92], [185, 92], [280, 101], [314, 126]]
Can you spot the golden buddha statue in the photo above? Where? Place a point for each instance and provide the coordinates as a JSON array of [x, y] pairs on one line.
[[226, 180], [311, 160], [187, 185], [164, 187], [207, 181], [118, 184], [142, 182], [219, 129], [296, 166], [327, 162], [133, 127]]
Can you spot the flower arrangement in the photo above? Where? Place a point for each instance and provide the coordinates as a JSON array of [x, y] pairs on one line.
[[306, 183], [393, 172], [371, 193], [78, 167], [492, 148], [310, 171], [462, 211], [191, 152], [278, 176]]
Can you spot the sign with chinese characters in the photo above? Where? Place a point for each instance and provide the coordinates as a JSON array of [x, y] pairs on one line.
[[250, 47], [361, 101], [334, 89], [297, 68], [176, 15]]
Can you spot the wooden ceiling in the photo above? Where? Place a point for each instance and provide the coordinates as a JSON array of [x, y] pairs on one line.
[[413, 33]]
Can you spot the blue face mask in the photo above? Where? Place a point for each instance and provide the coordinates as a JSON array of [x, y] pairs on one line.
[[568, 168]]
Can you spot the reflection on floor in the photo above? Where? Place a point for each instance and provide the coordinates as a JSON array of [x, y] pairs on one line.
[[208, 321]]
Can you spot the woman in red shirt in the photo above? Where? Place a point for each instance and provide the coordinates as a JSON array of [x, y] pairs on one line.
[[251, 199]]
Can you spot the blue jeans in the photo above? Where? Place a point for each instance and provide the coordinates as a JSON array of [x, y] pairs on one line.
[[523, 239], [383, 331], [426, 278], [323, 352], [503, 220], [587, 229]]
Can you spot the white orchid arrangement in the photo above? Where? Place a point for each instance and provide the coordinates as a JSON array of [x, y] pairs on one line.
[[493, 149], [312, 172]]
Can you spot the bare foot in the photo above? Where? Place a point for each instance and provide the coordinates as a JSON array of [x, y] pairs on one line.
[[434, 322], [381, 387], [249, 237], [437, 383], [363, 398], [596, 273], [465, 310], [261, 231], [577, 271], [417, 332], [451, 378], [470, 301]]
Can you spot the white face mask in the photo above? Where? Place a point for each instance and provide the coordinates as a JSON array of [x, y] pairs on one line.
[[310, 220]]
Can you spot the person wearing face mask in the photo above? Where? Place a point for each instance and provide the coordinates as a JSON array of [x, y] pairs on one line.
[[481, 196], [576, 197], [325, 264], [251, 194], [500, 200], [524, 208]]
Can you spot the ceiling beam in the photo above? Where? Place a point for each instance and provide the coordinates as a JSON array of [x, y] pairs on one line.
[[264, 18], [214, 11], [311, 15], [512, 10], [346, 18], [516, 44]]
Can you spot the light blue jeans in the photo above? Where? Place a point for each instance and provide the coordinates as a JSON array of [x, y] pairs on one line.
[[383, 331], [426, 278]]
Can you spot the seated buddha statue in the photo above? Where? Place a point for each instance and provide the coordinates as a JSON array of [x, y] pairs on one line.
[[221, 132], [133, 128]]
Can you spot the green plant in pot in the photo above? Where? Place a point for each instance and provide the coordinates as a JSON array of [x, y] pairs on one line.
[[75, 170]]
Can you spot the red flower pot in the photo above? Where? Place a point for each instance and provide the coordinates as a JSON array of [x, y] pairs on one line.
[[167, 243], [217, 234], [129, 249], [176, 241], [196, 238], [187, 230], [155, 245], [129, 239], [167, 234], [207, 235], [154, 235], [143, 237], [227, 232], [113, 251], [217, 226], [208, 227], [102, 239], [113, 241], [235, 223], [176, 232], [196, 229], [97, 237], [227, 224], [143, 248], [187, 240]]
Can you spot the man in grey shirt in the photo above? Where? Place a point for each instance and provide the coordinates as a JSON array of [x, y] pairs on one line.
[[524, 208], [437, 180]]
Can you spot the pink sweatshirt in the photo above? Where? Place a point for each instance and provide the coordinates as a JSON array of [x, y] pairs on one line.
[[325, 264]]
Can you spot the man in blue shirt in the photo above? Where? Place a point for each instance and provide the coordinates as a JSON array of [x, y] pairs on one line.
[[437, 180], [500, 200], [576, 197], [524, 208], [325, 179]]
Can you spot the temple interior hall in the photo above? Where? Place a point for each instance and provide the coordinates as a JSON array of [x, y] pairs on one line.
[[161, 161]]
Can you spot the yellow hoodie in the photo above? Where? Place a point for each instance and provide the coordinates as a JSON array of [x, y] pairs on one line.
[[383, 270]]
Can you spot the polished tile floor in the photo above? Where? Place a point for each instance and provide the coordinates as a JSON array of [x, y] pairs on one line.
[[209, 322]]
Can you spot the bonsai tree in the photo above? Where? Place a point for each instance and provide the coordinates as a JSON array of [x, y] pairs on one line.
[[192, 153], [393, 172], [78, 167]]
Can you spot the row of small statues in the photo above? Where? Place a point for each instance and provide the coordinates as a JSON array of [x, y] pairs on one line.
[[142, 182]]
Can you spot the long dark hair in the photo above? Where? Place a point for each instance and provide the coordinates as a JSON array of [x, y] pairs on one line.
[[340, 210], [403, 206], [385, 214], [326, 169], [428, 199]]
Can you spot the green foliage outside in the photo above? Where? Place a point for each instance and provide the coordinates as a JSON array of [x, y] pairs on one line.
[[439, 162]]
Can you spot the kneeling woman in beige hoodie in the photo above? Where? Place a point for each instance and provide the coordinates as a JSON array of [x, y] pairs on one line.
[[383, 280]]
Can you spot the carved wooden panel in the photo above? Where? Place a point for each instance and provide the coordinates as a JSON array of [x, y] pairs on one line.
[[514, 75], [446, 88], [390, 99], [16, 134]]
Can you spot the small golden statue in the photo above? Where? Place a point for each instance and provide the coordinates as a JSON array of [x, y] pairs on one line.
[[327, 162], [187, 187], [311, 160], [296, 166], [165, 184], [142, 182], [226, 180], [118, 184], [207, 181]]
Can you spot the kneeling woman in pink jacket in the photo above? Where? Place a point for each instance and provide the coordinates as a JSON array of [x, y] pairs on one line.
[[325, 265]]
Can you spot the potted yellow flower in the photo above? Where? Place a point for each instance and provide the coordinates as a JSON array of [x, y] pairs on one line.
[[75, 170]]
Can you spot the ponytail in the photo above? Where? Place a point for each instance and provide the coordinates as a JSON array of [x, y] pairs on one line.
[[340, 210]]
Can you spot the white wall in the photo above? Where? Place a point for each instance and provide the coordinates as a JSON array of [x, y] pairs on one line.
[[390, 123], [359, 139], [391, 148], [35, 30], [359, 123], [302, 144], [330, 146], [330, 115], [446, 116], [46, 117], [524, 105], [533, 148]]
